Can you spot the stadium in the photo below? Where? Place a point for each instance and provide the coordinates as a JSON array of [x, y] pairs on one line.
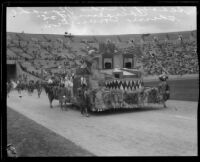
[[149, 131], [28, 56]]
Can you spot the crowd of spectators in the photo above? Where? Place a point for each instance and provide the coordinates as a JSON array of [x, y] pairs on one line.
[[34, 73], [175, 58]]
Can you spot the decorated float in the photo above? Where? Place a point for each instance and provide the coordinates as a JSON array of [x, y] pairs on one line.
[[113, 82]]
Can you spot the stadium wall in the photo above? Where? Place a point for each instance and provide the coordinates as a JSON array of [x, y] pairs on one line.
[[14, 71]]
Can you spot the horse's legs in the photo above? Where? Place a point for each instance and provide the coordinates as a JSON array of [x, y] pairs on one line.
[[163, 101], [39, 93], [19, 92], [86, 111], [50, 101], [51, 104], [66, 104], [164, 105], [29, 93], [61, 105]]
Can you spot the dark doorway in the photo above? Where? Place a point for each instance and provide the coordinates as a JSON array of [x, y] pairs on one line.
[[11, 72], [128, 62], [108, 65], [128, 65], [117, 76]]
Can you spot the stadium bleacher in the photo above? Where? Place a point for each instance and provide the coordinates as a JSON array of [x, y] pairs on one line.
[[153, 51]]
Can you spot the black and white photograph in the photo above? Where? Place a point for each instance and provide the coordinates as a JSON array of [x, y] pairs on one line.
[[93, 81]]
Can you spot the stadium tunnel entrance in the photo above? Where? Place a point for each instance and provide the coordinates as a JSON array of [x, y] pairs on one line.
[[11, 71]]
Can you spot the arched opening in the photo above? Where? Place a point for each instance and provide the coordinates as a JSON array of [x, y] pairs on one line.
[[128, 65], [107, 63], [128, 62], [11, 71], [117, 76]]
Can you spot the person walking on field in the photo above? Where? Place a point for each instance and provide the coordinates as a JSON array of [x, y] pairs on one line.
[[84, 100], [164, 89]]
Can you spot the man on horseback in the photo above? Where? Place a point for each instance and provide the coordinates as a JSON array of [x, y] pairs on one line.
[[55, 89], [50, 81]]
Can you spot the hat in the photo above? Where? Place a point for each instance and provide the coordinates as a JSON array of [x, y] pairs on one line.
[[163, 77]]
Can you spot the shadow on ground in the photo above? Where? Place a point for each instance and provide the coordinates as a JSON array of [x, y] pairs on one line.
[[33, 140], [125, 110], [116, 111]]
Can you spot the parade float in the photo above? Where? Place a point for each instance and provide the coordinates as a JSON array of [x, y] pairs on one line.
[[113, 82]]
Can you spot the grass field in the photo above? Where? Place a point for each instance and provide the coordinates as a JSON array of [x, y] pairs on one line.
[[33, 140], [187, 90]]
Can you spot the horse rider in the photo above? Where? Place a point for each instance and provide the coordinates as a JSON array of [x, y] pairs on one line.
[[50, 81]]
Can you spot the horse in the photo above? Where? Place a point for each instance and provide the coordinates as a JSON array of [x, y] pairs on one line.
[[31, 87], [57, 93]]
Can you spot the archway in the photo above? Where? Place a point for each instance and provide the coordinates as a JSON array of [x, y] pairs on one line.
[[11, 71]]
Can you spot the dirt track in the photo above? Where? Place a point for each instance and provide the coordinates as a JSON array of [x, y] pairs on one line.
[[143, 132]]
